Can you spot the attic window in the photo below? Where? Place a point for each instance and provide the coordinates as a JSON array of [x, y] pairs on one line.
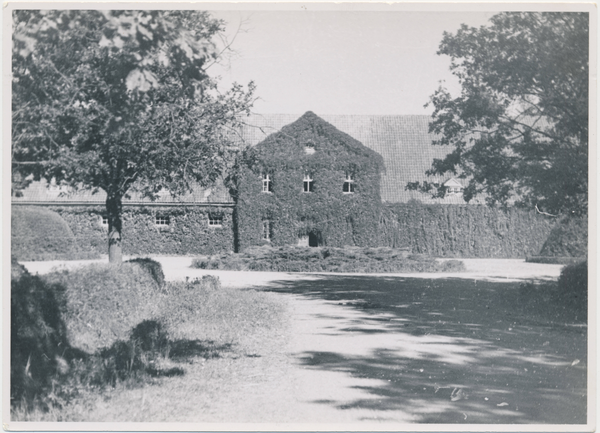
[[104, 221], [267, 184], [348, 187], [162, 221], [308, 183], [454, 190], [215, 220], [309, 148]]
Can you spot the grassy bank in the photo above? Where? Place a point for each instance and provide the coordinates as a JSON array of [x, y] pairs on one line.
[[102, 329], [301, 259]]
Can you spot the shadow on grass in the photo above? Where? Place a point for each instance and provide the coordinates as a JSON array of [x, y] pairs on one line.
[[184, 349], [451, 350]]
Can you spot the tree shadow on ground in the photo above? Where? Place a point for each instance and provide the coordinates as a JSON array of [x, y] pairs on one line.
[[452, 350], [181, 350]]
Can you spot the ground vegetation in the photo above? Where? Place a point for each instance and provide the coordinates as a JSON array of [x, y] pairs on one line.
[[306, 259]]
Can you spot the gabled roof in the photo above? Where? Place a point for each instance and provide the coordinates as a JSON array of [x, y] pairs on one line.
[[453, 182], [404, 142], [310, 128]]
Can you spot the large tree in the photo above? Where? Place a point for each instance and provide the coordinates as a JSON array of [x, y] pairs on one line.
[[115, 100], [519, 128]]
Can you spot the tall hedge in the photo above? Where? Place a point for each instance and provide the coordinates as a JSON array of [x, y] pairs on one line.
[[339, 219], [40, 234], [464, 230], [569, 238]]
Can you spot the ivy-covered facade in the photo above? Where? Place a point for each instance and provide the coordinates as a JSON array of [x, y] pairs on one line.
[[308, 184]]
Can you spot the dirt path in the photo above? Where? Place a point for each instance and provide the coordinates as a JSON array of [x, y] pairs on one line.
[[391, 348]]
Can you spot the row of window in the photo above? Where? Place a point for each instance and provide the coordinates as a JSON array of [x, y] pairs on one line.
[[453, 190], [165, 221], [308, 184]]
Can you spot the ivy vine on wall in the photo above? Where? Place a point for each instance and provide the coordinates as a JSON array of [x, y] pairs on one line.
[[313, 151]]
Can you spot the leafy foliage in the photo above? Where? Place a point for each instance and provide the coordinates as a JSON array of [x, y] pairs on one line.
[[152, 267], [519, 129], [115, 100], [38, 337], [41, 234], [569, 238], [337, 219], [299, 259], [188, 232], [129, 292], [573, 287], [464, 231]]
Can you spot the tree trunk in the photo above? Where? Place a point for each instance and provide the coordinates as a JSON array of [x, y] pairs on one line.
[[114, 208]]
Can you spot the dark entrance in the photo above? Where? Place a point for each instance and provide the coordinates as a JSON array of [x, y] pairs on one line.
[[314, 238]]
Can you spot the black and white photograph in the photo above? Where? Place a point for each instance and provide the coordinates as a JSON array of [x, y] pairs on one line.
[[299, 216]]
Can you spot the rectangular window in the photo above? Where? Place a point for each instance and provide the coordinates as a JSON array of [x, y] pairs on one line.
[[308, 183], [162, 221], [104, 221], [215, 220], [267, 184], [348, 187], [266, 234]]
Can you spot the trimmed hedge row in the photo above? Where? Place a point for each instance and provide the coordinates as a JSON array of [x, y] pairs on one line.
[[464, 230], [41, 234], [305, 259]]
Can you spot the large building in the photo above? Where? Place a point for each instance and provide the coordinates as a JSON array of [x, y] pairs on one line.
[[316, 181], [309, 184]]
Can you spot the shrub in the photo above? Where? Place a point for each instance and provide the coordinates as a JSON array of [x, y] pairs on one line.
[[202, 310], [41, 234], [567, 239], [573, 287], [17, 270], [553, 260], [38, 337], [153, 267], [305, 259], [101, 303]]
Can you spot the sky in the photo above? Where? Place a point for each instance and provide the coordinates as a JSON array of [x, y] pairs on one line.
[[341, 62]]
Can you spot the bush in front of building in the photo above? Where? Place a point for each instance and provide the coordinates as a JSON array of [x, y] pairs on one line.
[[41, 234], [306, 259], [572, 288], [152, 267], [101, 303], [568, 238], [39, 340]]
